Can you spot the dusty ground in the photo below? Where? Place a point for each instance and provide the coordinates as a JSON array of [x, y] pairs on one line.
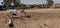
[[43, 18]]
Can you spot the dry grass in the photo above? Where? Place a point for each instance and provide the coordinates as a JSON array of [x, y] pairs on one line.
[[39, 19]]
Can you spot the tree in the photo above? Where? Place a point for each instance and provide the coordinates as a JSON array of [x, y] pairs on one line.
[[49, 3], [8, 3]]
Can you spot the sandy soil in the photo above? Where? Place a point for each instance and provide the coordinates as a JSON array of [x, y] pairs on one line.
[[40, 18]]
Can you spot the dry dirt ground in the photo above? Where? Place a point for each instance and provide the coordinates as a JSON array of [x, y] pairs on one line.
[[39, 18]]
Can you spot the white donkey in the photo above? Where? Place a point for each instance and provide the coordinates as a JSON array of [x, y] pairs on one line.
[[12, 11]]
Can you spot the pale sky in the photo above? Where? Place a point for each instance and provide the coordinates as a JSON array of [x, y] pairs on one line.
[[34, 1]]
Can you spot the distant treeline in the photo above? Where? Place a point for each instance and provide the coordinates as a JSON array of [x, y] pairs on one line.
[[19, 5], [23, 6], [47, 5]]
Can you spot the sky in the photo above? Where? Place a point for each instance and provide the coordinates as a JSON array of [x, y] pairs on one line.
[[34, 1]]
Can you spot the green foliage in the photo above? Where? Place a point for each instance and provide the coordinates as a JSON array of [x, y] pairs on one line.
[[49, 3], [8, 3]]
